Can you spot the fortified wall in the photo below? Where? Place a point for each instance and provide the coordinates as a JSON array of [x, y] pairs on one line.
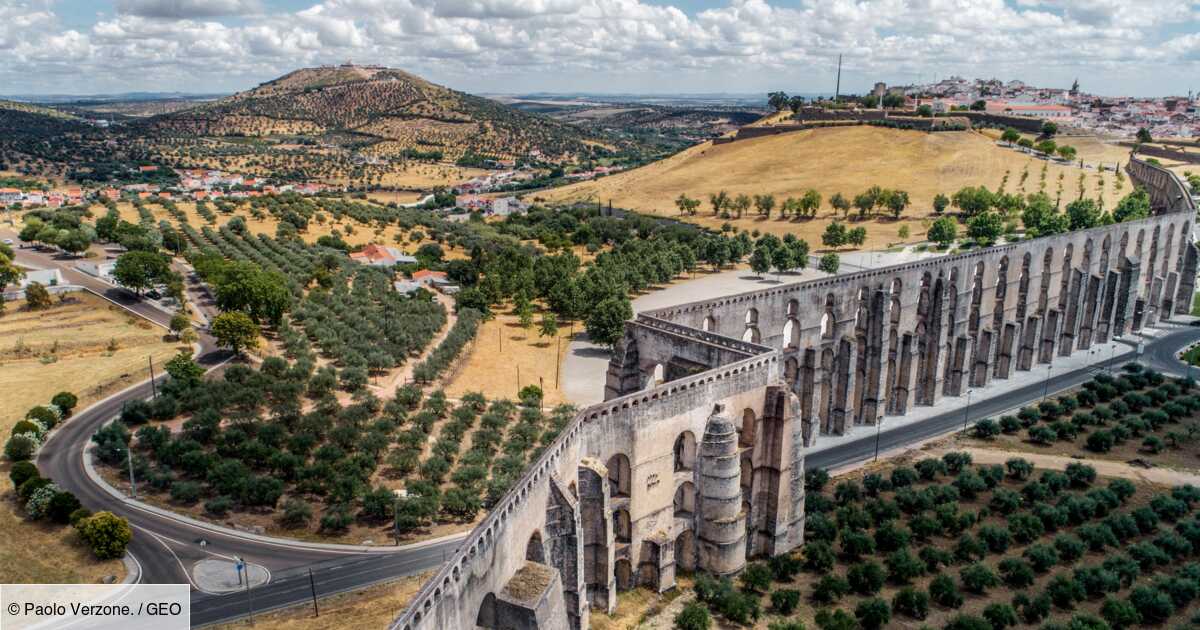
[[695, 460]]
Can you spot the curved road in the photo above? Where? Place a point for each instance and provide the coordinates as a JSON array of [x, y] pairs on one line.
[[166, 547]]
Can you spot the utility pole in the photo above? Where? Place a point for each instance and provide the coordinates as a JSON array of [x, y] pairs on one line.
[[153, 387], [313, 585], [129, 458], [837, 90], [557, 362]]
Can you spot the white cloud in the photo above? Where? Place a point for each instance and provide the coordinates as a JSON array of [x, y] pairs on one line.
[[187, 9], [494, 45]]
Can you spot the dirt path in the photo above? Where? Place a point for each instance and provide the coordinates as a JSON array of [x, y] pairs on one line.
[[386, 387], [1165, 476]]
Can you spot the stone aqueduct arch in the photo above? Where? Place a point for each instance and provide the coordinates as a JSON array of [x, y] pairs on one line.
[[695, 460]]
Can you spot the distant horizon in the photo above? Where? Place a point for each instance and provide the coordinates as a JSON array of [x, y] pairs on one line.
[[90, 47]]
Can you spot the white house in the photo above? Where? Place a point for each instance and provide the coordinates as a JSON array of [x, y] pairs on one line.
[[102, 270]]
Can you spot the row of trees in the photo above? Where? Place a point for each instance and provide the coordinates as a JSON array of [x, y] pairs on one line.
[[991, 214], [874, 199]]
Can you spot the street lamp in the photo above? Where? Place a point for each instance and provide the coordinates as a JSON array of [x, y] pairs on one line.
[[878, 428], [967, 410], [1046, 387]]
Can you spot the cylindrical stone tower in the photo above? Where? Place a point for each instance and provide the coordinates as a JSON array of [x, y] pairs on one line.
[[722, 526]]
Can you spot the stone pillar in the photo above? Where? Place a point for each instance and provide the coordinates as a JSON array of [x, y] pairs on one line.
[[624, 371], [1126, 296], [565, 553], [1104, 325], [1067, 338], [531, 600], [778, 466], [1029, 343], [1091, 307], [1187, 278], [598, 542], [872, 405], [722, 526]]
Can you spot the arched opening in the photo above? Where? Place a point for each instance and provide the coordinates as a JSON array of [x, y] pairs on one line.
[[791, 333], [1047, 269], [709, 324], [793, 308], [828, 319], [486, 618], [657, 376], [685, 500], [685, 451], [791, 371], [752, 317], [622, 527], [685, 551], [752, 335], [534, 550], [618, 475], [624, 574], [749, 426]]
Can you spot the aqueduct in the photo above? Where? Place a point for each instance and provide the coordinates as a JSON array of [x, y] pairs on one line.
[[696, 458]]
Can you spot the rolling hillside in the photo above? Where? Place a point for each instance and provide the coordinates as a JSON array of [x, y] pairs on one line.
[[846, 160], [394, 111]]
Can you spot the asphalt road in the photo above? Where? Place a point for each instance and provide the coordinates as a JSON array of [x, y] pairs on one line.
[[166, 548]]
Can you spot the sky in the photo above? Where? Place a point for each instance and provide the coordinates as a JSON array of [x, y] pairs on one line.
[[1114, 47]]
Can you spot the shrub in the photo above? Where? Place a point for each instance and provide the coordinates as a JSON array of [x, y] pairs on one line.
[[818, 557], [1153, 605], [1041, 557], [956, 461], [106, 534], [873, 613], [1042, 434], [1009, 425], [856, 544], [969, 484], [935, 558], [1005, 501], [903, 567], [1025, 528], [978, 578], [38, 503], [1000, 615], [1120, 614], [929, 468], [967, 622], [218, 506], [1097, 536], [784, 567], [911, 603], [1016, 572], [1019, 468], [1032, 610], [835, 620], [1070, 548], [784, 601], [62, 505], [335, 519], [1153, 444], [866, 578], [694, 616], [903, 476], [47, 415], [1125, 568], [829, 589], [891, 537], [756, 577], [968, 548], [185, 492], [1124, 488], [296, 513], [20, 448], [1081, 475], [996, 538], [1168, 508], [1064, 591], [21, 472], [1101, 441], [815, 479], [1096, 581], [819, 527], [985, 429], [944, 592], [65, 401]]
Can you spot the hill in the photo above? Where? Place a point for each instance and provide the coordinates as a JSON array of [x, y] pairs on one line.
[[846, 160], [391, 111]]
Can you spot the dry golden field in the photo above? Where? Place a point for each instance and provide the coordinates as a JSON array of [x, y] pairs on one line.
[[503, 352], [846, 160], [93, 349]]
